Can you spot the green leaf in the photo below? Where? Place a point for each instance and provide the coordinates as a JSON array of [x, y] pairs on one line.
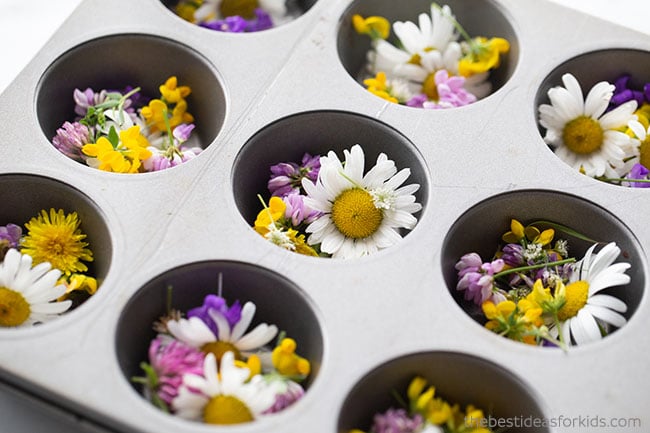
[[113, 138]]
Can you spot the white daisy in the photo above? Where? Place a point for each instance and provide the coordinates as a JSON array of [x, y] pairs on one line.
[[361, 213], [26, 293], [581, 134], [434, 32], [194, 332], [585, 311], [219, 9], [223, 397]]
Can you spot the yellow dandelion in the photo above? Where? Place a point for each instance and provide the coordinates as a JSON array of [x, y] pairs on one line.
[[57, 239]]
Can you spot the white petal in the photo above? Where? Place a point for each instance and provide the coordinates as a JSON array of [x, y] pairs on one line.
[[258, 337], [247, 313], [606, 315]]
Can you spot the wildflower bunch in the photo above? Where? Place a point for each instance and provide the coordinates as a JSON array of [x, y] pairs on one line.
[[434, 65], [127, 132], [326, 207], [534, 291], [43, 272], [425, 412], [203, 365], [233, 16], [605, 135]]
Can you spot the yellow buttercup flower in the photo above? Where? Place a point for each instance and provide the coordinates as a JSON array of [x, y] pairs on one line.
[[374, 26], [172, 92], [485, 54]]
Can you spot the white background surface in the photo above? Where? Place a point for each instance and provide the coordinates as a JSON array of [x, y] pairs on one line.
[[26, 25]]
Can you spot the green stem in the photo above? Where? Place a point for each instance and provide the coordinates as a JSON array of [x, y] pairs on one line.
[[169, 128], [457, 25], [618, 179], [531, 267], [566, 230]]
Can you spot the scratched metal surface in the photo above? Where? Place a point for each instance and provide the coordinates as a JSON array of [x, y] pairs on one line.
[[375, 315]]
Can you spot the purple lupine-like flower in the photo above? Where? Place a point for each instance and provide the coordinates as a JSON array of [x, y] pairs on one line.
[[451, 92], [513, 255], [233, 24], [476, 278], [286, 177], [70, 138], [638, 171], [11, 233], [396, 421], [171, 359], [417, 101], [289, 392], [87, 98], [297, 211], [183, 131], [217, 303], [262, 21], [623, 92]]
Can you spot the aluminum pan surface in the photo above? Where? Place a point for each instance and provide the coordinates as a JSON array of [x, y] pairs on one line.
[[371, 310]]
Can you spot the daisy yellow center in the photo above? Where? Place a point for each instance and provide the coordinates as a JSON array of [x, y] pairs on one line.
[[644, 152], [14, 309], [226, 409], [576, 298], [243, 8], [430, 88], [583, 135], [219, 348], [355, 215]]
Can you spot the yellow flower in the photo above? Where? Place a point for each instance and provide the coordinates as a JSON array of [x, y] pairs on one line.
[[531, 233], [172, 93], [484, 55], [109, 159], [287, 362], [136, 143], [270, 215], [515, 321], [155, 114], [375, 26], [57, 239], [79, 282], [378, 87]]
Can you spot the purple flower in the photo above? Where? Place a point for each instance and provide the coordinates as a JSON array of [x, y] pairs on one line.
[[262, 21], [217, 303], [451, 92], [638, 171], [417, 101], [476, 278], [297, 211], [286, 177], [183, 131], [70, 138], [289, 393], [513, 255], [623, 93], [171, 359], [396, 421], [233, 24], [87, 98], [10, 236]]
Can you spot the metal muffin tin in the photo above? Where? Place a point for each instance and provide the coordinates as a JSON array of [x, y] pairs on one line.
[[367, 325]]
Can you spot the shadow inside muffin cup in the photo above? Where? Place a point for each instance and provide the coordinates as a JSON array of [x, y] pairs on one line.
[[478, 18], [24, 196], [114, 62], [596, 66], [277, 299], [457, 378], [480, 229], [294, 8], [318, 132]]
